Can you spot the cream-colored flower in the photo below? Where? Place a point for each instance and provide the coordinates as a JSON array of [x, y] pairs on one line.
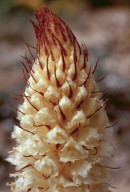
[[62, 140]]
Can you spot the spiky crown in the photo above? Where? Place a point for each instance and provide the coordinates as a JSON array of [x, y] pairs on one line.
[[54, 36]]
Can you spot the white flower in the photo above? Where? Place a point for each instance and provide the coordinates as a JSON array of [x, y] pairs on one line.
[[62, 140]]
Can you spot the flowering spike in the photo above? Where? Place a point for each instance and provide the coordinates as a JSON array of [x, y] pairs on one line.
[[62, 135]]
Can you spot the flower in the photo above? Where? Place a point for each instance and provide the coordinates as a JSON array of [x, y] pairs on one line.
[[63, 144]]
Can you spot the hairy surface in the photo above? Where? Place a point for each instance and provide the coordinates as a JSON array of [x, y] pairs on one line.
[[63, 140]]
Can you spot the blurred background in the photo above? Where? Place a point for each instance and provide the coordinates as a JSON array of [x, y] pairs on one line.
[[104, 25]]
